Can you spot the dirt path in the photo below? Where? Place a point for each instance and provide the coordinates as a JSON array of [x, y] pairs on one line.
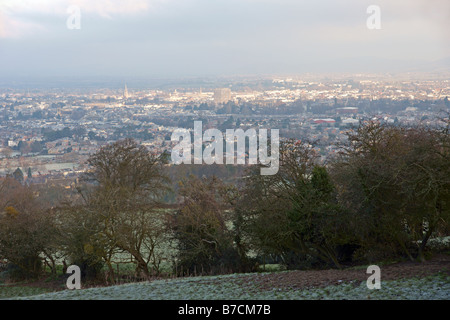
[[323, 278]]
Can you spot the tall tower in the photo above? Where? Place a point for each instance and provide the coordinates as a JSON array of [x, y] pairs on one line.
[[125, 92], [222, 95]]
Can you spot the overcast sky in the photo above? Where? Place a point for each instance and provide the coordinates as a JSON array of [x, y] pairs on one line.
[[178, 38]]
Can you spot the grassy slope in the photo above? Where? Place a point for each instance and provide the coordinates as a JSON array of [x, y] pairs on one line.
[[240, 287]]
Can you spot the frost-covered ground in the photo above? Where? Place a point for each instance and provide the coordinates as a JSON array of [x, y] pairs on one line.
[[240, 287]]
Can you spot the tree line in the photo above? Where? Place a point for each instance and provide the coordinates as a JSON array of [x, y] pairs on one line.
[[383, 196]]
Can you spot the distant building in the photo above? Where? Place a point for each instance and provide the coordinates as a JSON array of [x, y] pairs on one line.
[[222, 95], [12, 143], [125, 93], [320, 121], [347, 110], [350, 122]]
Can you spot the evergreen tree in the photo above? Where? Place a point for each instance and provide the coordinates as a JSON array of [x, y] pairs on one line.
[[18, 175]]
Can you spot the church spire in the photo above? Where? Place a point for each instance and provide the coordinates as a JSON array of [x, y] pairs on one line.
[[125, 92]]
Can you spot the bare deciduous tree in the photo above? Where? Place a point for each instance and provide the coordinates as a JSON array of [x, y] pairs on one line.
[[123, 186]]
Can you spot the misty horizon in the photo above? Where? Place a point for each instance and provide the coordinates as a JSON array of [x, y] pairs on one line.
[[166, 39]]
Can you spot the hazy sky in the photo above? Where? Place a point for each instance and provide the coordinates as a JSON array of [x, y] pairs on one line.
[[170, 38]]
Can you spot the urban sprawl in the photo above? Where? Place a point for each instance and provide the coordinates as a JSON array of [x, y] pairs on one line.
[[49, 134]]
